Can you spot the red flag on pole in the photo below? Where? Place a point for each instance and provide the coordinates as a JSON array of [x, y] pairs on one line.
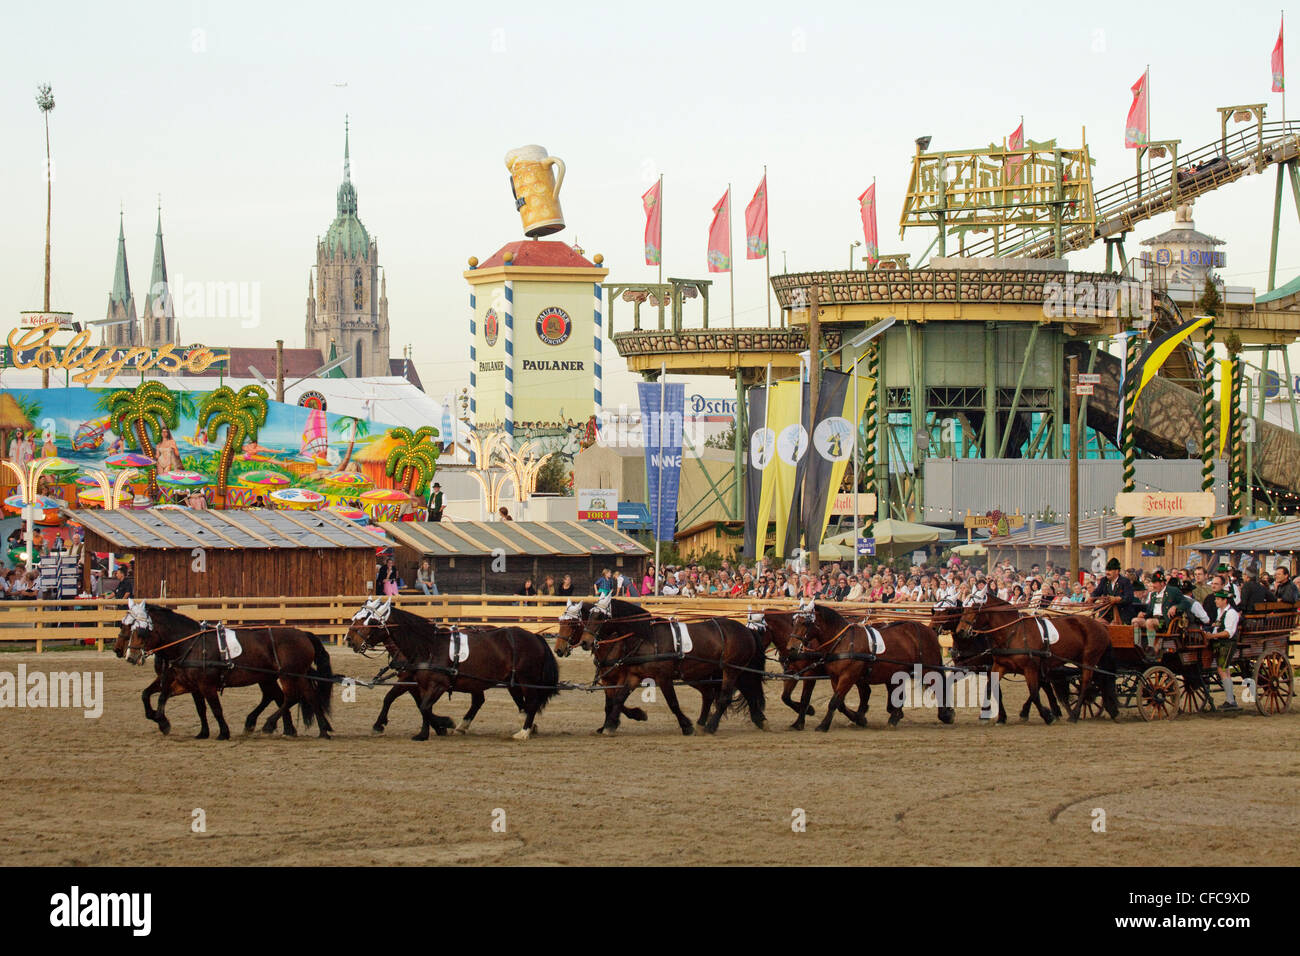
[[1135, 129], [1016, 141], [867, 202], [756, 223], [1279, 63], [653, 226], [720, 235]]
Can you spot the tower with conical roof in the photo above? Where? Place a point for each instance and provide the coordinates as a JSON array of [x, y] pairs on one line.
[[158, 320], [347, 304], [121, 327]]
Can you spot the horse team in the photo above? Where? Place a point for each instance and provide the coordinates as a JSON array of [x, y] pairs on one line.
[[723, 659]]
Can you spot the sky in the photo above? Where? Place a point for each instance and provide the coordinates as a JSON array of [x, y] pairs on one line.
[[233, 113]]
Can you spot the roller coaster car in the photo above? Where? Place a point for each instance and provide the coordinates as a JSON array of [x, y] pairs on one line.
[[1184, 676]]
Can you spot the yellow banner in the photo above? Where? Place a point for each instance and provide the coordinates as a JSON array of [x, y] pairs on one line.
[[1225, 402], [784, 408]]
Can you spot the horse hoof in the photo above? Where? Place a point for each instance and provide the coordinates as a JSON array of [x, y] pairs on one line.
[[687, 730], [224, 735], [1024, 719], [249, 728], [324, 735], [165, 729], [201, 735], [522, 734], [797, 725], [377, 729], [463, 729], [420, 737], [810, 711]]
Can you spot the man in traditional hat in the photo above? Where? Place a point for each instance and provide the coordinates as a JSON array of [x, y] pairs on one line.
[[1164, 601], [1116, 589], [1223, 640]]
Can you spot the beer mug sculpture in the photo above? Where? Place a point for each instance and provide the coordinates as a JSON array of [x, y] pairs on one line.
[[536, 189]]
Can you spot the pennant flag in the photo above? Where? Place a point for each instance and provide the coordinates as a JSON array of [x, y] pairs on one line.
[[761, 450], [720, 235], [651, 199], [1015, 141], [1279, 62], [1159, 350], [1225, 402], [1135, 129], [867, 202], [756, 223]]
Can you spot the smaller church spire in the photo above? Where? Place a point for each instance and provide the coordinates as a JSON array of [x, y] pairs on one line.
[[121, 276], [347, 160]]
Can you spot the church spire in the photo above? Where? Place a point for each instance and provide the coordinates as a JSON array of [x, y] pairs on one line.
[[158, 302], [347, 195], [121, 275]]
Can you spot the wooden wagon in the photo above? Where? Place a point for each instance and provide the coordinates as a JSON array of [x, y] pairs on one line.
[[1180, 677]]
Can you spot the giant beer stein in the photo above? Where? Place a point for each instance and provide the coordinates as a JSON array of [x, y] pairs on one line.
[[537, 192]]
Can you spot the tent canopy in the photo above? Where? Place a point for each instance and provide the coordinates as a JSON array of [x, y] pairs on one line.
[[898, 534]]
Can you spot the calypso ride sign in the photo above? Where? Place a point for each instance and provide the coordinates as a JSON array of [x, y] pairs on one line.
[[94, 360]]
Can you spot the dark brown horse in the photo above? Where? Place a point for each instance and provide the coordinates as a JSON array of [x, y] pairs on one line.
[[851, 656], [994, 635], [192, 661], [776, 628], [271, 693], [632, 648], [569, 636], [509, 657]]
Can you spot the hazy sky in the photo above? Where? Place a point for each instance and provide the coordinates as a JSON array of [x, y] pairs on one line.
[[234, 111]]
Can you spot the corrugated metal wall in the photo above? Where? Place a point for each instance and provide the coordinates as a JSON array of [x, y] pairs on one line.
[[954, 486]]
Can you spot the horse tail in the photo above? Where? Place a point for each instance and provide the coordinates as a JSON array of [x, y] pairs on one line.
[[750, 682], [323, 687], [550, 679]]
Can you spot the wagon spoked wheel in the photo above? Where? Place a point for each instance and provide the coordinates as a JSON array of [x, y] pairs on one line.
[[1159, 694], [1196, 697], [1274, 683], [1092, 706]]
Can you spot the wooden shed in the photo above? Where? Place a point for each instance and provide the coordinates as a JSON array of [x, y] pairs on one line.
[[244, 553], [1157, 542], [477, 557]]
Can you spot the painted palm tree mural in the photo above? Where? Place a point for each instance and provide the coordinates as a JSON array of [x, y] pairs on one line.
[[139, 414], [241, 413], [354, 428], [414, 459]]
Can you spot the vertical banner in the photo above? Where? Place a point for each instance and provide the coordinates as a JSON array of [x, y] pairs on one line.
[[720, 235], [761, 445], [832, 441], [1135, 127], [1278, 63], [788, 419], [654, 243], [661, 430], [867, 206], [756, 223]]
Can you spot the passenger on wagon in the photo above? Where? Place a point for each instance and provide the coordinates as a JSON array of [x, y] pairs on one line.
[[1284, 589], [1154, 616], [1223, 640], [1116, 589]]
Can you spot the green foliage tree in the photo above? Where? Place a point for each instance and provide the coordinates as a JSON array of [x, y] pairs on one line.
[[1210, 302], [415, 458], [241, 413], [554, 478], [139, 414]]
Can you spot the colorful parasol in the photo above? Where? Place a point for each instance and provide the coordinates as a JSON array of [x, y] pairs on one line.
[[347, 479], [183, 479], [91, 496], [264, 479], [170, 507], [47, 508], [85, 481], [129, 459], [385, 496], [54, 465], [352, 514], [298, 499]]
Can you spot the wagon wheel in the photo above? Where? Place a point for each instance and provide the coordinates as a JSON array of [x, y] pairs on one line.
[[1196, 697], [1092, 706], [1158, 694], [1274, 683]]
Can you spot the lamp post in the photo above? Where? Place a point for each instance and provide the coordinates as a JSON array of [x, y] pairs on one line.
[[852, 246]]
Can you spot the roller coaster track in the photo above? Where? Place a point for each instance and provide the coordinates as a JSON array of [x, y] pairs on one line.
[[1160, 189], [1169, 414]]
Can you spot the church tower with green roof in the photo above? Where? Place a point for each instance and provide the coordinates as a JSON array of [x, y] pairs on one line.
[[347, 300], [121, 328], [158, 320]]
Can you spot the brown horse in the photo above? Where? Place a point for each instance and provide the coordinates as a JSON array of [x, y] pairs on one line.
[[632, 648], [776, 628], [993, 634], [509, 657], [192, 661], [271, 693], [569, 636], [851, 657]]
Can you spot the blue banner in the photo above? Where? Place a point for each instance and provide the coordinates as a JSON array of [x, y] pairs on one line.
[[661, 432]]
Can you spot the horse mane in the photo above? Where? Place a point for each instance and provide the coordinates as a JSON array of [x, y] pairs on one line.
[[830, 616], [420, 627], [165, 616]]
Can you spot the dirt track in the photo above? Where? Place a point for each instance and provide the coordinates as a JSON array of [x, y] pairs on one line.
[[1200, 790]]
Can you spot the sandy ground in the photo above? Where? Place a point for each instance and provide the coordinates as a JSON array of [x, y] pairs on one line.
[[113, 790]]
